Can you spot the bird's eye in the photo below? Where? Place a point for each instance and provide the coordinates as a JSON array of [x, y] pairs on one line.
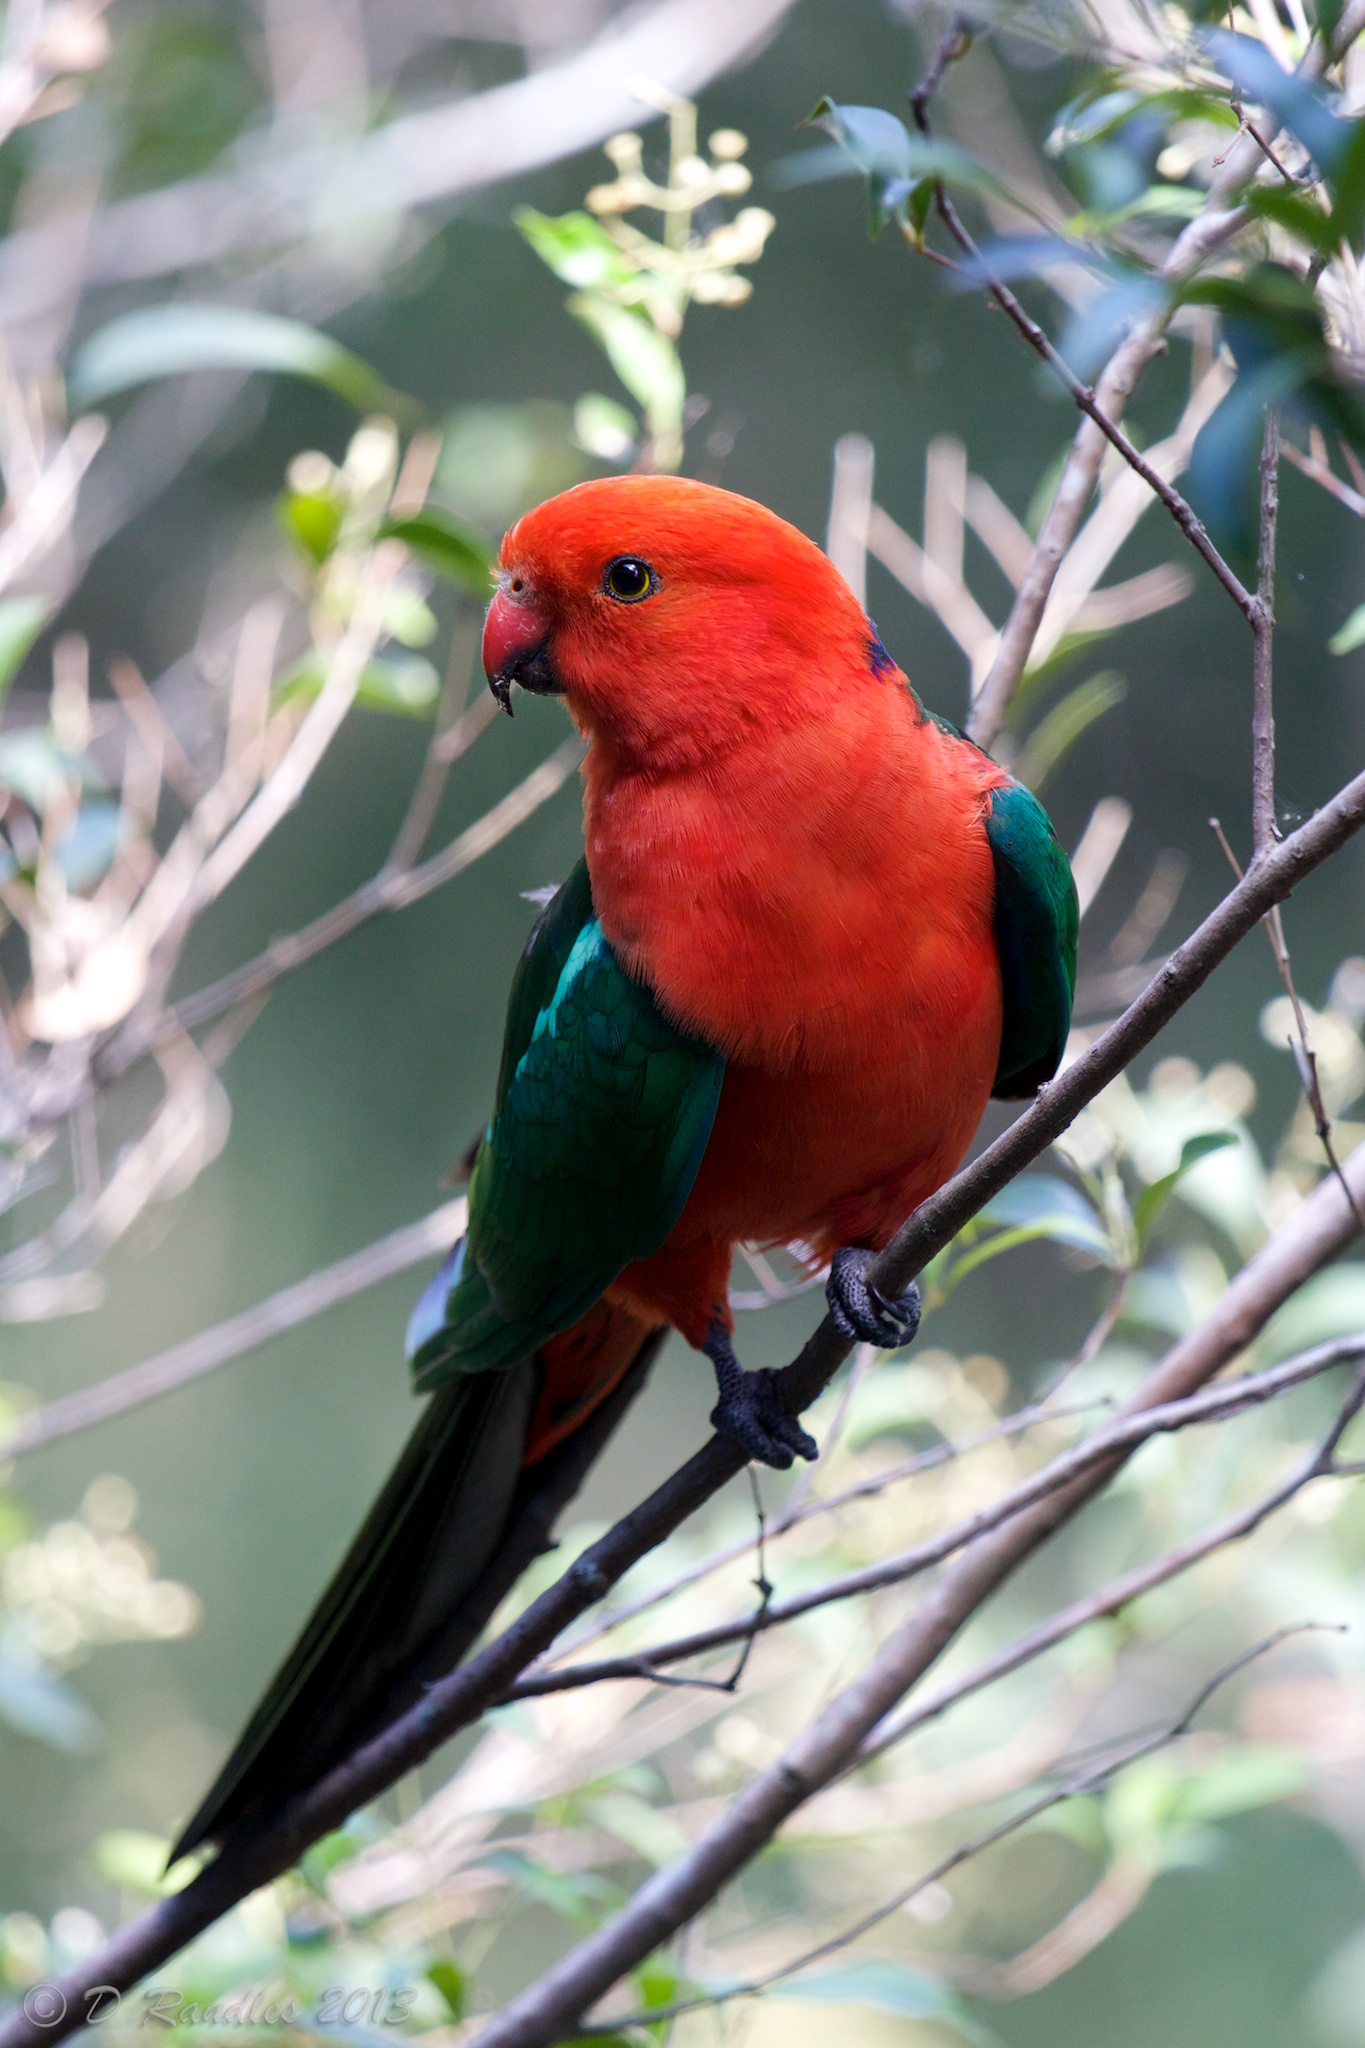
[[628, 579]]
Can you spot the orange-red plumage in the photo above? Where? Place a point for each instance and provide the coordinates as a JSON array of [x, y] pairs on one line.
[[789, 853]]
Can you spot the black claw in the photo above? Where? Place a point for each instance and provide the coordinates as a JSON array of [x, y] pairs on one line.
[[749, 1411], [860, 1312]]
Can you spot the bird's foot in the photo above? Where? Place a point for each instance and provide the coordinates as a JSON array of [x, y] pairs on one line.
[[749, 1411], [863, 1314]]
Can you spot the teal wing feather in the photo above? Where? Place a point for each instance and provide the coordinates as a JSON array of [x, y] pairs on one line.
[[1036, 920], [602, 1114]]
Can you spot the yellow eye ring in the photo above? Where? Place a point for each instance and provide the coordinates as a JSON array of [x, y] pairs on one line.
[[628, 579]]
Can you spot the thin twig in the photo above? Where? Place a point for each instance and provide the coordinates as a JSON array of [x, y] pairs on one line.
[[1263, 827], [851, 1727], [1321, 474], [1315, 1234], [204, 1353], [1301, 1051], [1216, 1404], [1201, 239], [386, 891], [808, 1510], [1082, 395], [1095, 1778]]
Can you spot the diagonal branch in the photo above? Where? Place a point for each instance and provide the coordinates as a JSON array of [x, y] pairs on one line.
[[838, 1739], [1229, 1397], [205, 1352], [1319, 1230], [1203, 238]]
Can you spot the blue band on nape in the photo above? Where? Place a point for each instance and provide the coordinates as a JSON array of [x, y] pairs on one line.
[[877, 655]]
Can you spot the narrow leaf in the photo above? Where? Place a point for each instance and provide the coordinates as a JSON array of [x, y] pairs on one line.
[[894, 161], [645, 360], [1055, 735], [404, 684], [577, 248], [1153, 1199], [452, 550], [170, 340], [1350, 636], [1296, 105], [21, 621], [888, 1987], [1045, 1206]]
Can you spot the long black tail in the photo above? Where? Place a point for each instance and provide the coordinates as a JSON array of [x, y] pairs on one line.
[[458, 1520]]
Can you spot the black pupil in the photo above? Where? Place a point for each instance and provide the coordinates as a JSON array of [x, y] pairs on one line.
[[628, 578]]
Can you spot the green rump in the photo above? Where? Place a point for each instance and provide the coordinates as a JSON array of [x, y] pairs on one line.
[[1036, 920], [602, 1114]]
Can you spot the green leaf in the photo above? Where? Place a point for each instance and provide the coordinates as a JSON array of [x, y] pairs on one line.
[[604, 429], [21, 621], [36, 770], [453, 1985], [409, 619], [1350, 636], [1088, 120], [577, 248], [894, 161], [404, 684], [1153, 1199], [1243, 1778], [41, 1703], [1042, 1205], [169, 340], [581, 1896], [1298, 214], [897, 1988], [1056, 734], [452, 550], [137, 1862], [645, 360], [313, 519], [1347, 184], [1158, 202]]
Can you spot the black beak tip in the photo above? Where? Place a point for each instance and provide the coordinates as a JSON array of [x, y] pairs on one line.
[[501, 686]]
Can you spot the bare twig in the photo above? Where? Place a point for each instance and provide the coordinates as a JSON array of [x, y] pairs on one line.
[[1320, 473], [204, 1353], [1312, 1237], [1219, 221], [1179, 507], [1304, 1057], [1094, 1778], [1214, 1404], [805, 1510], [390, 889], [1263, 828], [852, 1726]]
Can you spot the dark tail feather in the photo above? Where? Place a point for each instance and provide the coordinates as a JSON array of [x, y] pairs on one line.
[[460, 1517]]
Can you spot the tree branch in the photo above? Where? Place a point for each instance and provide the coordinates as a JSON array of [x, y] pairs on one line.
[[838, 1739], [1313, 1236], [1201, 239], [1263, 828], [206, 1351], [1215, 1404], [393, 888], [1094, 1778]]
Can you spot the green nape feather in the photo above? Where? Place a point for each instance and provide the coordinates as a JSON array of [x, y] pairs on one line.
[[1036, 920], [602, 1114]]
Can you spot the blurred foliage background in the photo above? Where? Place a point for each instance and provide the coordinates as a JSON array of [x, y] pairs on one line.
[[171, 1555]]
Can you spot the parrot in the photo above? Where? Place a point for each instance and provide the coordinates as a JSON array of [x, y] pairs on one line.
[[813, 931]]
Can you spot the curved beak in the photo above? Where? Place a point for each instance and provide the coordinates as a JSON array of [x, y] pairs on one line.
[[516, 649]]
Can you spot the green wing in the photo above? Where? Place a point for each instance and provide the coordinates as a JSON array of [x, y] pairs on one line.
[[1035, 931], [603, 1111]]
